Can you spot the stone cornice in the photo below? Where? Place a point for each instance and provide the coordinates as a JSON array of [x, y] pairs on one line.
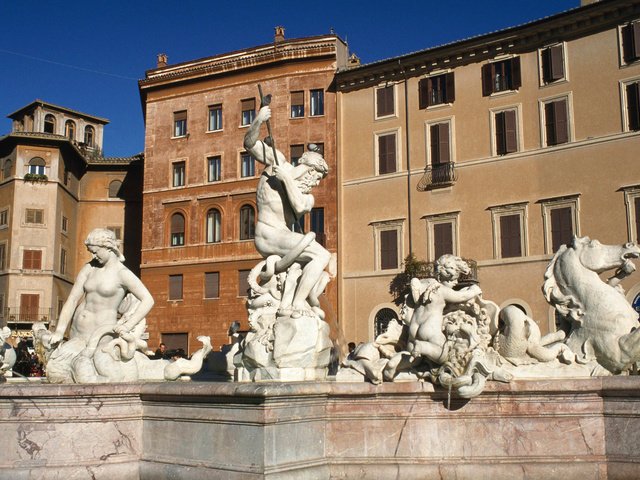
[[570, 24]]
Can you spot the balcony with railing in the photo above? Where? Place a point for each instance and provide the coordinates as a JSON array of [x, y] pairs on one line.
[[438, 175], [20, 318]]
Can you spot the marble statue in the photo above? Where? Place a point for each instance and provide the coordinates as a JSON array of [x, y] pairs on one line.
[[289, 338], [454, 338], [105, 314], [7, 353]]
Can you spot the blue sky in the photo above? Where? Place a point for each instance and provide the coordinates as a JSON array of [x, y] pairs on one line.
[[88, 56]]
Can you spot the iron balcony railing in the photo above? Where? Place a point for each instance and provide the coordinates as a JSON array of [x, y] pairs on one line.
[[15, 315], [438, 175]]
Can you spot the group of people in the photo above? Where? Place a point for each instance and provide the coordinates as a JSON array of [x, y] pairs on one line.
[[27, 363]]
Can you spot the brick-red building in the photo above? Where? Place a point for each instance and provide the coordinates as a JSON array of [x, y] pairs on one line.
[[199, 186]]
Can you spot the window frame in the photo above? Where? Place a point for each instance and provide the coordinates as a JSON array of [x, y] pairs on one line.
[[246, 155], [49, 120], [378, 228], [624, 103], [64, 224], [32, 252], [542, 62], [394, 95], [514, 81], [35, 212], [292, 110], [547, 205], [243, 234], [63, 261], [241, 273], [398, 160], [178, 179], [4, 218], [214, 238], [89, 136], [425, 85], [542, 104], [428, 147], [621, 44], [440, 218], [208, 165], [3, 255], [494, 131], [315, 214], [170, 291], [175, 240], [217, 107], [631, 195], [205, 292], [245, 122], [37, 166], [70, 130], [180, 124], [318, 110], [499, 211]]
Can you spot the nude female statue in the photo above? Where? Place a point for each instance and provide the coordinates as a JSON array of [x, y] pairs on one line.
[[105, 311]]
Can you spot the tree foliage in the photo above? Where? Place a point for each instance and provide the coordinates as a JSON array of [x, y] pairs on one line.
[[413, 268]]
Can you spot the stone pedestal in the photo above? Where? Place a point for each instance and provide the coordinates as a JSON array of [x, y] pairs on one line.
[[570, 429]]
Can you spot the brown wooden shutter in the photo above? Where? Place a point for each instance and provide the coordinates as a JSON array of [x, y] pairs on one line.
[[440, 143], [212, 285], [516, 79], [443, 239], [175, 287], [561, 227], [488, 74], [32, 259], [631, 42], [423, 92], [248, 104], [510, 241], [384, 101], [510, 131], [388, 249], [29, 305], [556, 63], [387, 153], [450, 90], [182, 115], [177, 223], [633, 105], [562, 127]]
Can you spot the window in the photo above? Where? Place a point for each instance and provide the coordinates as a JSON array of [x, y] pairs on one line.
[[178, 174], [4, 218], [317, 102], [247, 222], [89, 135], [631, 105], [213, 226], [247, 165], [439, 143], [114, 188], [556, 122], [70, 130], [296, 153], [560, 217], [215, 117], [382, 319], [212, 285], [630, 42], [389, 250], [34, 216], [214, 168], [248, 107], [442, 234], [63, 261], [117, 232], [37, 166], [506, 131], [175, 287], [437, 90], [29, 306], [501, 76], [177, 230], [386, 153], [317, 224], [552, 64], [509, 230], [180, 123], [32, 259], [176, 341], [297, 104], [65, 224], [65, 176], [7, 169], [49, 124], [243, 282], [385, 101], [3, 255]]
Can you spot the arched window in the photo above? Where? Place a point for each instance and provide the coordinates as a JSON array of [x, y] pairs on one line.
[[381, 322], [36, 166], [114, 188], [247, 222], [89, 135], [213, 226], [70, 129], [49, 124], [177, 230]]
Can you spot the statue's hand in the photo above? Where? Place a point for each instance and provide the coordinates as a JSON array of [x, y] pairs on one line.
[[280, 173], [264, 114], [475, 289], [56, 337]]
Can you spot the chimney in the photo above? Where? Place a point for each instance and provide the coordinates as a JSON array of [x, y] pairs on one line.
[[353, 61], [279, 36], [162, 60]]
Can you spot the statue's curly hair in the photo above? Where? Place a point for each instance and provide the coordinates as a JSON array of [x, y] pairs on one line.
[[103, 237]]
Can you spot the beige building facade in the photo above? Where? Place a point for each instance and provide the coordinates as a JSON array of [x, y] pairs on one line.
[[498, 149], [55, 187]]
